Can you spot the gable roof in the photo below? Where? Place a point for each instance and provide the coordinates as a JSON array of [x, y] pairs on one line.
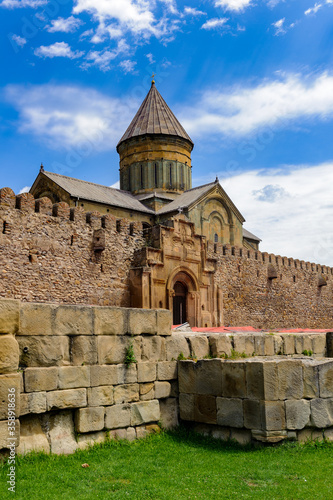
[[155, 117], [190, 197], [89, 191], [250, 236]]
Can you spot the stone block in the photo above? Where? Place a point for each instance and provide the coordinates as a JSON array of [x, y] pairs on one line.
[[290, 379], [100, 396], [40, 379], [297, 414], [269, 436], [310, 380], [230, 412], [174, 389], [205, 409], [259, 344], [252, 414], [145, 412], [169, 413], [220, 344], [10, 388], [187, 377], [4, 435], [326, 379], [37, 319], [319, 344], [233, 379], [278, 344], [128, 434], [118, 416], [70, 398], [72, 377], [302, 342], [288, 343], [167, 370], [244, 342], [84, 350], [84, 441], [322, 413], [269, 345], [221, 433], [9, 354], [242, 436], [328, 434], [162, 390], [153, 349], [164, 322], [175, 345], [9, 316], [147, 391], [32, 438], [33, 402], [146, 372], [61, 433], [127, 374], [271, 381], [142, 321], [255, 380], [199, 345], [273, 416], [112, 349], [103, 375], [209, 377], [186, 406], [74, 320], [110, 320], [141, 432], [308, 435], [89, 419], [126, 393], [44, 351]]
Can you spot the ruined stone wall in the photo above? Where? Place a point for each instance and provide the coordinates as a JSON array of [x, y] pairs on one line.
[[51, 253], [262, 399], [268, 291]]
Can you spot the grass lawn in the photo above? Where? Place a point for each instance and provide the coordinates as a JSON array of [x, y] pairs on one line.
[[175, 465]]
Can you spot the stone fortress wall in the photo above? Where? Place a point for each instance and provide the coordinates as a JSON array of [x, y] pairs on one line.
[[66, 364], [53, 253]]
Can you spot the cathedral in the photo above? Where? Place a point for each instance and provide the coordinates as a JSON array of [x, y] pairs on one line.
[[156, 189]]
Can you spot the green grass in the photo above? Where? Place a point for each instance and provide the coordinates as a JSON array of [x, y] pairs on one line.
[[177, 465]]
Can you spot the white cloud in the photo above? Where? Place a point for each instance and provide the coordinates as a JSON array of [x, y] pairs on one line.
[[134, 16], [273, 3], [270, 104], [19, 40], [297, 220], [103, 58], [236, 5], [314, 9], [71, 116], [215, 23], [128, 66], [116, 185], [190, 11], [26, 189], [68, 25], [58, 49], [150, 58], [14, 4], [279, 27]]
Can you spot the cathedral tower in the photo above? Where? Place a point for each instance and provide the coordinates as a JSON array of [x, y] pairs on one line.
[[155, 152]]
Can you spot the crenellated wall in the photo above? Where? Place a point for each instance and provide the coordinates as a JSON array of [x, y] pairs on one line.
[[51, 253], [269, 291]]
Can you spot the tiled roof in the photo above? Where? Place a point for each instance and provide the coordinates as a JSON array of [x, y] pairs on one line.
[[154, 117], [250, 236], [95, 192]]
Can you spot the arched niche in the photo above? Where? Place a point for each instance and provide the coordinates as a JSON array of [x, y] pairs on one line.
[[183, 294]]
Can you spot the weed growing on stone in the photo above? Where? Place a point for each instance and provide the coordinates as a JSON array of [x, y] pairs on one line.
[[129, 356], [307, 353]]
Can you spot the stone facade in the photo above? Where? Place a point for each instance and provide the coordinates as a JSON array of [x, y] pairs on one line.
[[66, 366]]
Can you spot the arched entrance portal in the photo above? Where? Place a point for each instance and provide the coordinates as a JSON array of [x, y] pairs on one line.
[[179, 303]]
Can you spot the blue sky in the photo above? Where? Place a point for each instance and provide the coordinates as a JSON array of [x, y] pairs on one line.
[[251, 81]]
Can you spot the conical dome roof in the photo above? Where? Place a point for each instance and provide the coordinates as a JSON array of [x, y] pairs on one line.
[[154, 117]]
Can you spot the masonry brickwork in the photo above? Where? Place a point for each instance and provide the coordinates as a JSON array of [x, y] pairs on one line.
[[53, 253]]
